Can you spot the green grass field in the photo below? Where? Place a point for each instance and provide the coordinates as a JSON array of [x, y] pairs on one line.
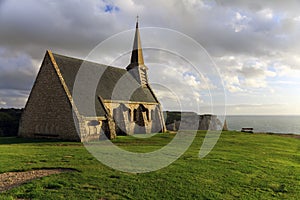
[[244, 166]]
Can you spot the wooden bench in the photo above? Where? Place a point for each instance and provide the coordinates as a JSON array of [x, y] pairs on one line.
[[247, 130]]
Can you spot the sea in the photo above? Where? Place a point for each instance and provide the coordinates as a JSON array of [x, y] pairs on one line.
[[266, 124]]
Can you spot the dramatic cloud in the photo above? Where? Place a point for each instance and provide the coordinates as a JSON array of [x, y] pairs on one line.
[[255, 44]]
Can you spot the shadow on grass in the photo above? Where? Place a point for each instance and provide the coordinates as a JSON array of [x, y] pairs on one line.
[[19, 140], [64, 169]]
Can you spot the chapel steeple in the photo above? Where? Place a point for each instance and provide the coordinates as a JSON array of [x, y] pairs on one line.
[[137, 67]]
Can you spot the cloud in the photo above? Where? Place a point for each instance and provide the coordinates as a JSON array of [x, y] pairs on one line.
[[2, 103], [240, 22], [59, 25], [16, 71], [13, 98], [243, 74], [254, 43]]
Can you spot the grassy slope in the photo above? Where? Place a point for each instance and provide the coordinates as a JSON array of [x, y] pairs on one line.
[[245, 166]]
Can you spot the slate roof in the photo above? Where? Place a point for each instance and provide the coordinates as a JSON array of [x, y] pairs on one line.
[[114, 83]]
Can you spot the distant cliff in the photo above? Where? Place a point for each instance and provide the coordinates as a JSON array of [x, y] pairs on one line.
[[185, 120]]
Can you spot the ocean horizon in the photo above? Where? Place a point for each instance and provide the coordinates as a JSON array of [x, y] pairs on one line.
[[286, 124]]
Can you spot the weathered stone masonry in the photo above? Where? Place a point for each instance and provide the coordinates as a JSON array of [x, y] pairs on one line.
[[48, 112]]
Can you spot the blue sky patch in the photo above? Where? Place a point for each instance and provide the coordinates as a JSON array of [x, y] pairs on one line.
[[110, 7]]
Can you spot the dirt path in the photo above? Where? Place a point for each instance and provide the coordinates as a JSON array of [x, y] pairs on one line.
[[12, 179]]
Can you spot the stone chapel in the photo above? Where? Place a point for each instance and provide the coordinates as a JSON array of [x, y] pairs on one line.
[[52, 111]]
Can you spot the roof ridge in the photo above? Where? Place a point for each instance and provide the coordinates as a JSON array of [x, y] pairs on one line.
[[88, 61]]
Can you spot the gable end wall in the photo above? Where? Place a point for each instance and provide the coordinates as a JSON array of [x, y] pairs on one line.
[[48, 112]]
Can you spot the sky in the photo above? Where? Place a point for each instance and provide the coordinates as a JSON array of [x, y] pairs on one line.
[[254, 44]]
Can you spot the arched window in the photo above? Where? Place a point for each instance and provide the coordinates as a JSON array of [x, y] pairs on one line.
[[129, 115], [147, 114], [135, 115], [153, 117]]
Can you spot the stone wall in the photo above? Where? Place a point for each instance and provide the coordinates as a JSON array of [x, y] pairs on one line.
[[95, 128], [48, 112], [135, 117]]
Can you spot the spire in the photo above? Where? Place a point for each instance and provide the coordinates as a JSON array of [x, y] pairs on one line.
[[136, 66], [137, 53]]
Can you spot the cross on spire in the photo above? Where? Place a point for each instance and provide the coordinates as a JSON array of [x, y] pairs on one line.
[[137, 21]]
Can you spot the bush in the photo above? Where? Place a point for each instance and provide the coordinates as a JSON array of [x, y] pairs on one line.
[[9, 121]]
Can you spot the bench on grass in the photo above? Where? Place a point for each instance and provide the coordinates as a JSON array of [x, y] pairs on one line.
[[247, 130]]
